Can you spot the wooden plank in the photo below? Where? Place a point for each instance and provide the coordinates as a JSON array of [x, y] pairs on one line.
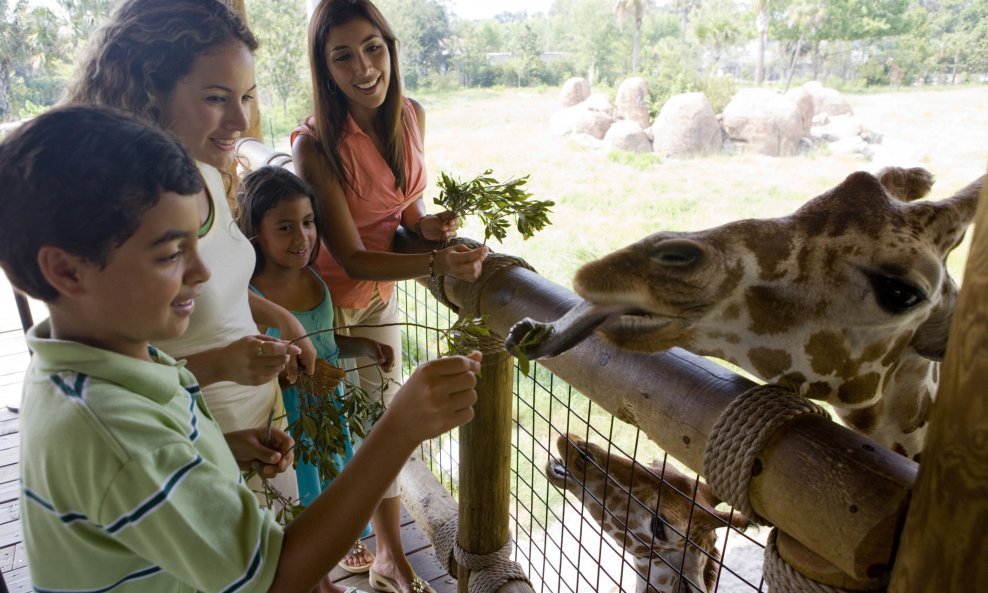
[[10, 511], [18, 581], [7, 558]]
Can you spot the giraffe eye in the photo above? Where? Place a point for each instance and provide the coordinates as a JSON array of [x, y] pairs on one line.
[[658, 528], [894, 295]]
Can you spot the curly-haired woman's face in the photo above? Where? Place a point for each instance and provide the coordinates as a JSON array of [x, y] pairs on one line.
[[210, 107]]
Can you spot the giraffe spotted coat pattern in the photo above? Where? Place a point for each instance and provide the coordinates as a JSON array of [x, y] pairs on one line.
[[847, 300]]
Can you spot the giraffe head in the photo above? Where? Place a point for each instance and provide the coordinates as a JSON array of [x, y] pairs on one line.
[[649, 510], [832, 301]]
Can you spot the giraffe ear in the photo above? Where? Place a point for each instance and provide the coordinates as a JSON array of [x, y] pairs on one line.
[[952, 216], [707, 519], [906, 184]]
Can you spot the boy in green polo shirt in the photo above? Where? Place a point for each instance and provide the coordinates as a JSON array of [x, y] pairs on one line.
[[128, 483]]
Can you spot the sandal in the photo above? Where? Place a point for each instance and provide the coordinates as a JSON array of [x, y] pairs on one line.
[[388, 585], [357, 550]]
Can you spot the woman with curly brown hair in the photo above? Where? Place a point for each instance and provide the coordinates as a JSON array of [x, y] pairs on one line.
[[187, 66]]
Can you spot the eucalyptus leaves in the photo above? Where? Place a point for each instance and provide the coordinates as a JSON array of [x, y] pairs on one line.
[[495, 203]]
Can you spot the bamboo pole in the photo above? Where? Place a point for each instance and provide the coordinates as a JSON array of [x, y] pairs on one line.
[[485, 463], [943, 545]]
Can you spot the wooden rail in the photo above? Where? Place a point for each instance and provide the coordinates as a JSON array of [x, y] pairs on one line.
[[840, 497]]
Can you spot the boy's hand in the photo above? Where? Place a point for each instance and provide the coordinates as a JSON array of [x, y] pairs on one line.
[[438, 397], [461, 262], [251, 453], [256, 360]]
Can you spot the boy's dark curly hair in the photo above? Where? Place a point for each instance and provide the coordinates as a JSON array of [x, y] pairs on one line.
[[80, 179]]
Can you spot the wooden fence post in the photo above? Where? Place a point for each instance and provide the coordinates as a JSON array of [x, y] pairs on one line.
[[485, 462], [943, 545]]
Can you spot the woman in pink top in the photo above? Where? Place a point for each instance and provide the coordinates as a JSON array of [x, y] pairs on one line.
[[362, 150]]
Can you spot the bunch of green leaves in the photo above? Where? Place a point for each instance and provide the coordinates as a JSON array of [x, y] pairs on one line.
[[494, 203], [328, 423], [463, 337]]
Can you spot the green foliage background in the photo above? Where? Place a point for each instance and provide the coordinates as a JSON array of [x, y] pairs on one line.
[[680, 45]]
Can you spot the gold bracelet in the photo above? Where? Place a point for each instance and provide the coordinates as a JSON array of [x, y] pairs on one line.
[[432, 261]]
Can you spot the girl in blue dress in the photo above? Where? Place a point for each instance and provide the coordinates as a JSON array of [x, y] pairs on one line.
[[277, 212]]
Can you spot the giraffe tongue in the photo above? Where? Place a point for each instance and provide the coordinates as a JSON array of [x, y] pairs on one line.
[[539, 339]]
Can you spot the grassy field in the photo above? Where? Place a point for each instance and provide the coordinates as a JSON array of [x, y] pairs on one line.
[[605, 200]]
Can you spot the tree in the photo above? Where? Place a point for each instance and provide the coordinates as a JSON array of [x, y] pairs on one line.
[[718, 27], [282, 59], [762, 19], [28, 48], [82, 18], [424, 34], [637, 9], [959, 35], [580, 29]]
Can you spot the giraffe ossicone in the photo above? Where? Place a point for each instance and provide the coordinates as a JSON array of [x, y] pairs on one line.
[[847, 300], [648, 512]]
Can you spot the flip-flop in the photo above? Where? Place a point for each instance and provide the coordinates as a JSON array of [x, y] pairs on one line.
[[388, 585], [357, 550], [353, 590]]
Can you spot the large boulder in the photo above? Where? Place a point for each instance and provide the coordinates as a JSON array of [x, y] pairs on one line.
[[826, 100], [804, 103], [840, 127], [580, 120], [632, 101], [686, 126], [627, 135], [575, 90], [763, 121], [599, 102]]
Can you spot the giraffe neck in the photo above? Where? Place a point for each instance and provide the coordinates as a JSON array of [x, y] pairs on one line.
[[898, 420]]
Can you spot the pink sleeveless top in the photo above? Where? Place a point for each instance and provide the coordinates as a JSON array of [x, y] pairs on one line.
[[375, 203]]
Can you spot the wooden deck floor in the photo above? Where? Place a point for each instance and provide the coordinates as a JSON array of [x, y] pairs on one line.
[[14, 359]]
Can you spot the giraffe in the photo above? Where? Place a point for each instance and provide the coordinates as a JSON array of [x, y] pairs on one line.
[[648, 510], [847, 300]]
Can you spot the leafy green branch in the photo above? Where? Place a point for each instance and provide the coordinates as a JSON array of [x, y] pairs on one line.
[[494, 203], [328, 421]]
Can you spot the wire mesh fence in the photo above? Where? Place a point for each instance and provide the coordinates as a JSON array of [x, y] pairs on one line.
[[595, 505]]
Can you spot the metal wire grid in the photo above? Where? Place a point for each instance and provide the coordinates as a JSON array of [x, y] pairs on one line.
[[561, 546]]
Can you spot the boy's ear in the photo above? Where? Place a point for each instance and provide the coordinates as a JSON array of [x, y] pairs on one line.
[[63, 270]]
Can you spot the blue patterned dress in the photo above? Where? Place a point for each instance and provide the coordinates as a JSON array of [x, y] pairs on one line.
[[321, 317]]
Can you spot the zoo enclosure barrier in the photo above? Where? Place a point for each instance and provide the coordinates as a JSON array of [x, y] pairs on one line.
[[840, 533]]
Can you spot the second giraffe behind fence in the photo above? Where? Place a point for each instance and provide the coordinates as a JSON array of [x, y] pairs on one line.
[[647, 510]]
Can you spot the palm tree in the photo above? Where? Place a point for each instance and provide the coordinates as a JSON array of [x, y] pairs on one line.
[[761, 24], [637, 8]]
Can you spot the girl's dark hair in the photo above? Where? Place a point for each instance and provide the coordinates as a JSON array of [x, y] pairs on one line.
[[138, 57], [82, 178], [330, 108], [261, 190]]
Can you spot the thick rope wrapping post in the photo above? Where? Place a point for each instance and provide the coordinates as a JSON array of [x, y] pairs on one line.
[[488, 572], [740, 434], [781, 577], [472, 291]]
